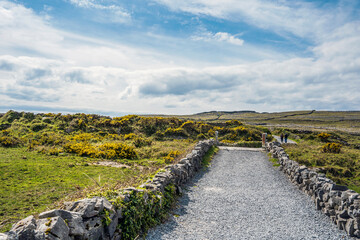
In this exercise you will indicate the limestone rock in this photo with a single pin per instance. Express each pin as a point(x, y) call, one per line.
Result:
point(54, 228)
point(73, 220)
point(8, 236)
point(25, 229)
point(349, 227)
point(88, 207)
point(94, 229)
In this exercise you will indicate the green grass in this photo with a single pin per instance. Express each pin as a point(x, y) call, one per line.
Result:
point(206, 162)
point(275, 162)
point(32, 182)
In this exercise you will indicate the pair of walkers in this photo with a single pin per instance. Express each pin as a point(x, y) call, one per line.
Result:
point(284, 137)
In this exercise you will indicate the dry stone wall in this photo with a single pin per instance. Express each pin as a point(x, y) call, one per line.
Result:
point(96, 218)
point(338, 202)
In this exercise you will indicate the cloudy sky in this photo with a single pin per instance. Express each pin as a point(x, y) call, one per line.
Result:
point(178, 57)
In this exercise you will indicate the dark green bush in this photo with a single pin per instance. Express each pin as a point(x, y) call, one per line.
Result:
point(38, 127)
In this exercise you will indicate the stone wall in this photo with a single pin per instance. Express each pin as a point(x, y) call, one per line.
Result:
point(96, 218)
point(338, 202)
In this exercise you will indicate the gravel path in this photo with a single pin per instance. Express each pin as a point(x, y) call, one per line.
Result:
point(242, 196)
point(279, 140)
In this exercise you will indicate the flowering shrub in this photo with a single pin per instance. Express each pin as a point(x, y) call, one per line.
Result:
point(9, 141)
point(180, 132)
point(188, 125)
point(324, 137)
point(130, 136)
point(106, 150)
point(80, 148)
point(331, 148)
point(116, 150)
point(171, 156)
point(233, 123)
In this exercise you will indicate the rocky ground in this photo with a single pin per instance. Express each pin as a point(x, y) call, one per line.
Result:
point(242, 196)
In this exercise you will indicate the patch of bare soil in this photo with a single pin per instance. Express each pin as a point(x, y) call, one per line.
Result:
point(110, 164)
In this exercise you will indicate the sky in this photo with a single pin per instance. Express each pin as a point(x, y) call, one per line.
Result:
point(117, 57)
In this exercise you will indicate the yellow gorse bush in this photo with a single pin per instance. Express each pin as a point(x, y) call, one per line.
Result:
point(171, 156)
point(324, 137)
point(233, 122)
point(106, 150)
point(8, 141)
point(331, 148)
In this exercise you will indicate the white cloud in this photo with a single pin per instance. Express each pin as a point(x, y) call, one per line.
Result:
point(300, 18)
point(219, 37)
point(113, 13)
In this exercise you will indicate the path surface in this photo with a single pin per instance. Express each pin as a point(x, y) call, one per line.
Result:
point(279, 140)
point(242, 196)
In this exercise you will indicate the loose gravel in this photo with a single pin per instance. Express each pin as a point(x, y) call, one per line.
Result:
point(242, 196)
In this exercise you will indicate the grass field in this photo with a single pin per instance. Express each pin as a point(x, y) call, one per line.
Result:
point(32, 182)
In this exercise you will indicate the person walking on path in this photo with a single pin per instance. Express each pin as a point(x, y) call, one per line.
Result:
point(282, 138)
point(286, 137)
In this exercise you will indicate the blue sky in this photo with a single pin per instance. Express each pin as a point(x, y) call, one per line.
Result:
point(179, 57)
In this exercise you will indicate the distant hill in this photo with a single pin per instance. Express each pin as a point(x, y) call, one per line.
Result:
point(225, 112)
point(344, 120)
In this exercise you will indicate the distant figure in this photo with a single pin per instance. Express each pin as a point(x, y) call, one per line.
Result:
point(286, 137)
point(282, 137)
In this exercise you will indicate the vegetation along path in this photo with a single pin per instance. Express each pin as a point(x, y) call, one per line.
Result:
point(242, 196)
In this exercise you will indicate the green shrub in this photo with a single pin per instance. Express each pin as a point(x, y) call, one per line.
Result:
point(36, 127)
point(11, 115)
point(200, 136)
point(46, 120)
point(159, 136)
point(140, 142)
